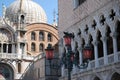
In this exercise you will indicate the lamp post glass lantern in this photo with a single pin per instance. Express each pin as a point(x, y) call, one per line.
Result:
point(67, 40)
point(87, 52)
point(49, 52)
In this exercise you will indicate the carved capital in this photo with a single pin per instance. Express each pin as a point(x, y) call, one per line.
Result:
point(114, 34)
point(95, 43)
point(104, 38)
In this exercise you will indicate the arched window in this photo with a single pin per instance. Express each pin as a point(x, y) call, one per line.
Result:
point(90, 42)
point(109, 41)
point(83, 42)
point(118, 35)
point(19, 67)
point(33, 36)
point(0, 47)
point(49, 37)
point(33, 47)
point(41, 47)
point(22, 19)
point(76, 53)
point(4, 48)
point(9, 48)
point(100, 45)
point(41, 36)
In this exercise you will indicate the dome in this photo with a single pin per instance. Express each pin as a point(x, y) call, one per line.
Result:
point(33, 12)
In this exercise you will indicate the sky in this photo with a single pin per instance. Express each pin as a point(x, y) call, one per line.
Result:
point(49, 6)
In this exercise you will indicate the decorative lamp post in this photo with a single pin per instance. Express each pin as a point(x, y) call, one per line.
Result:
point(87, 53)
point(70, 55)
point(68, 58)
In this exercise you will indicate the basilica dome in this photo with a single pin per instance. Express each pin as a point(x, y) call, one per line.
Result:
point(33, 12)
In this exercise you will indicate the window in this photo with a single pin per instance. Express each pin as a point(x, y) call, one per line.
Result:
point(33, 47)
point(33, 36)
point(22, 19)
point(109, 41)
point(9, 48)
point(100, 45)
point(4, 48)
point(78, 2)
point(118, 35)
point(49, 37)
point(19, 67)
point(41, 36)
point(41, 47)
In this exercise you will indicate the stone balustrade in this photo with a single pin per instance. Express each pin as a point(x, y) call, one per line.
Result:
point(15, 56)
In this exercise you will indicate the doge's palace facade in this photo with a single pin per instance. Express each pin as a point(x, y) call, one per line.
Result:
point(94, 22)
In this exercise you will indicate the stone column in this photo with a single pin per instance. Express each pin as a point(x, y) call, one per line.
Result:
point(13, 48)
point(114, 37)
point(63, 69)
point(19, 50)
point(80, 56)
point(1, 47)
point(96, 53)
point(25, 49)
point(104, 39)
point(7, 48)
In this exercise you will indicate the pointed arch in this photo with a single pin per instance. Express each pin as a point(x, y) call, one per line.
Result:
point(96, 78)
point(109, 41)
point(76, 53)
point(82, 42)
point(90, 42)
point(7, 71)
point(118, 35)
point(100, 44)
point(115, 76)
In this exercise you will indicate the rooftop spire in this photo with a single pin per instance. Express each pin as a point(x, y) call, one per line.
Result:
point(21, 1)
point(54, 19)
point(3, 10)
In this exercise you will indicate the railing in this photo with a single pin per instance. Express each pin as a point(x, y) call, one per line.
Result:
point(28, 67)
point(92, 64)
point(110, 58)
point(118, 56)
point(101, 61)
point(15, 56)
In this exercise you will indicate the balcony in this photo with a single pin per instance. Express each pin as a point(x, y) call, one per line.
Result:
point(16, 56)
point(113, 58)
